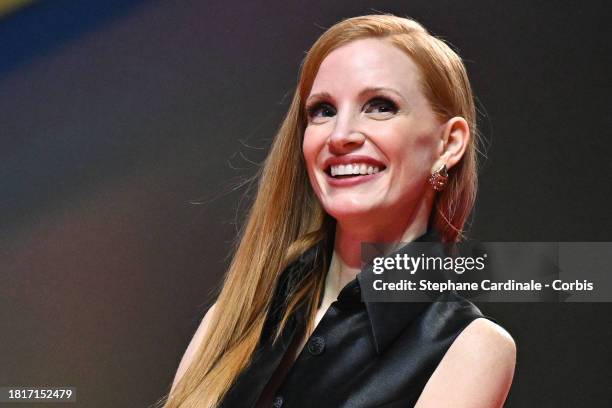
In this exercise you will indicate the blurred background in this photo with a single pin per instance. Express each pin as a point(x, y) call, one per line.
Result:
point(127, 126)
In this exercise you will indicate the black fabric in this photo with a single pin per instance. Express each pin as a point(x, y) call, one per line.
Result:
point(361, 354)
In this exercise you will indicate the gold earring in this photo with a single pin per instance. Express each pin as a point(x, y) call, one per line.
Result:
point(439, 178)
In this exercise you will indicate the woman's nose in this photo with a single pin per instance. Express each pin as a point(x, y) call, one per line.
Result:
point(345, 136)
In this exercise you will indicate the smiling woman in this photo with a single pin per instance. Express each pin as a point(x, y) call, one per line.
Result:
point(367, 109)
point(378, 145)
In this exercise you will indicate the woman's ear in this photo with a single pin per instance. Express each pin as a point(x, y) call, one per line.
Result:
point(456, 137)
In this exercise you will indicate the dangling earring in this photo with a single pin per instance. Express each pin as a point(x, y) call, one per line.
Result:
point(439, 178)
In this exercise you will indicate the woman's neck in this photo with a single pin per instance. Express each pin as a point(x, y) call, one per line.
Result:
point(346, 258)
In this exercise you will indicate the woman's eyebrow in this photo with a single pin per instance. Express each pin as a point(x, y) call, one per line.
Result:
point(319, 95)
point(368, 90)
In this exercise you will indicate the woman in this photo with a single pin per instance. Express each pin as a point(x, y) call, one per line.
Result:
point(378, 145)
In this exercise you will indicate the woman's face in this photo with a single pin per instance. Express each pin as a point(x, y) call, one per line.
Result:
point(372, 139)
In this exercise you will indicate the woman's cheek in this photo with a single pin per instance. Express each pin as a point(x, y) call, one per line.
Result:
point(309, 151)
point(307, 148)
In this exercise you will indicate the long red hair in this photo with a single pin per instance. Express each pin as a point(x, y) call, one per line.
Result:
point(286, 218)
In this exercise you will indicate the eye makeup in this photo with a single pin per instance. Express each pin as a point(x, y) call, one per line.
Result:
point(379, 106)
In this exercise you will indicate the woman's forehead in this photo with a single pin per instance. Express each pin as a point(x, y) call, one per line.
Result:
point(366, 63)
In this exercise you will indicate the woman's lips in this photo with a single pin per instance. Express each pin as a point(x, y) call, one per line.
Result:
point(351, 160)
point(351, 181)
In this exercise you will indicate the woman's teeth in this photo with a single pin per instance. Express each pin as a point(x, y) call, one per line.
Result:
point(350, 169)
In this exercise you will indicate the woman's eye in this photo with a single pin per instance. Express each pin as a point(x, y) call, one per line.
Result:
point(381, 106)
point(320, 110)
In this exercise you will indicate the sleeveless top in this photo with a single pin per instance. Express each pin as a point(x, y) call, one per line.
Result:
point(360, 355)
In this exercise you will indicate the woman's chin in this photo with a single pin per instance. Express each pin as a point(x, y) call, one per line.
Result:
point(352, 212)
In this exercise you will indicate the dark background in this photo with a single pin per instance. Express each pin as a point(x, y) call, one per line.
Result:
point(115, 116)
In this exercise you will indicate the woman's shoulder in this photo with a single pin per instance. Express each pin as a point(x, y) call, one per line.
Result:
point(476, 334)
point(477, 369)
point(484, 342)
